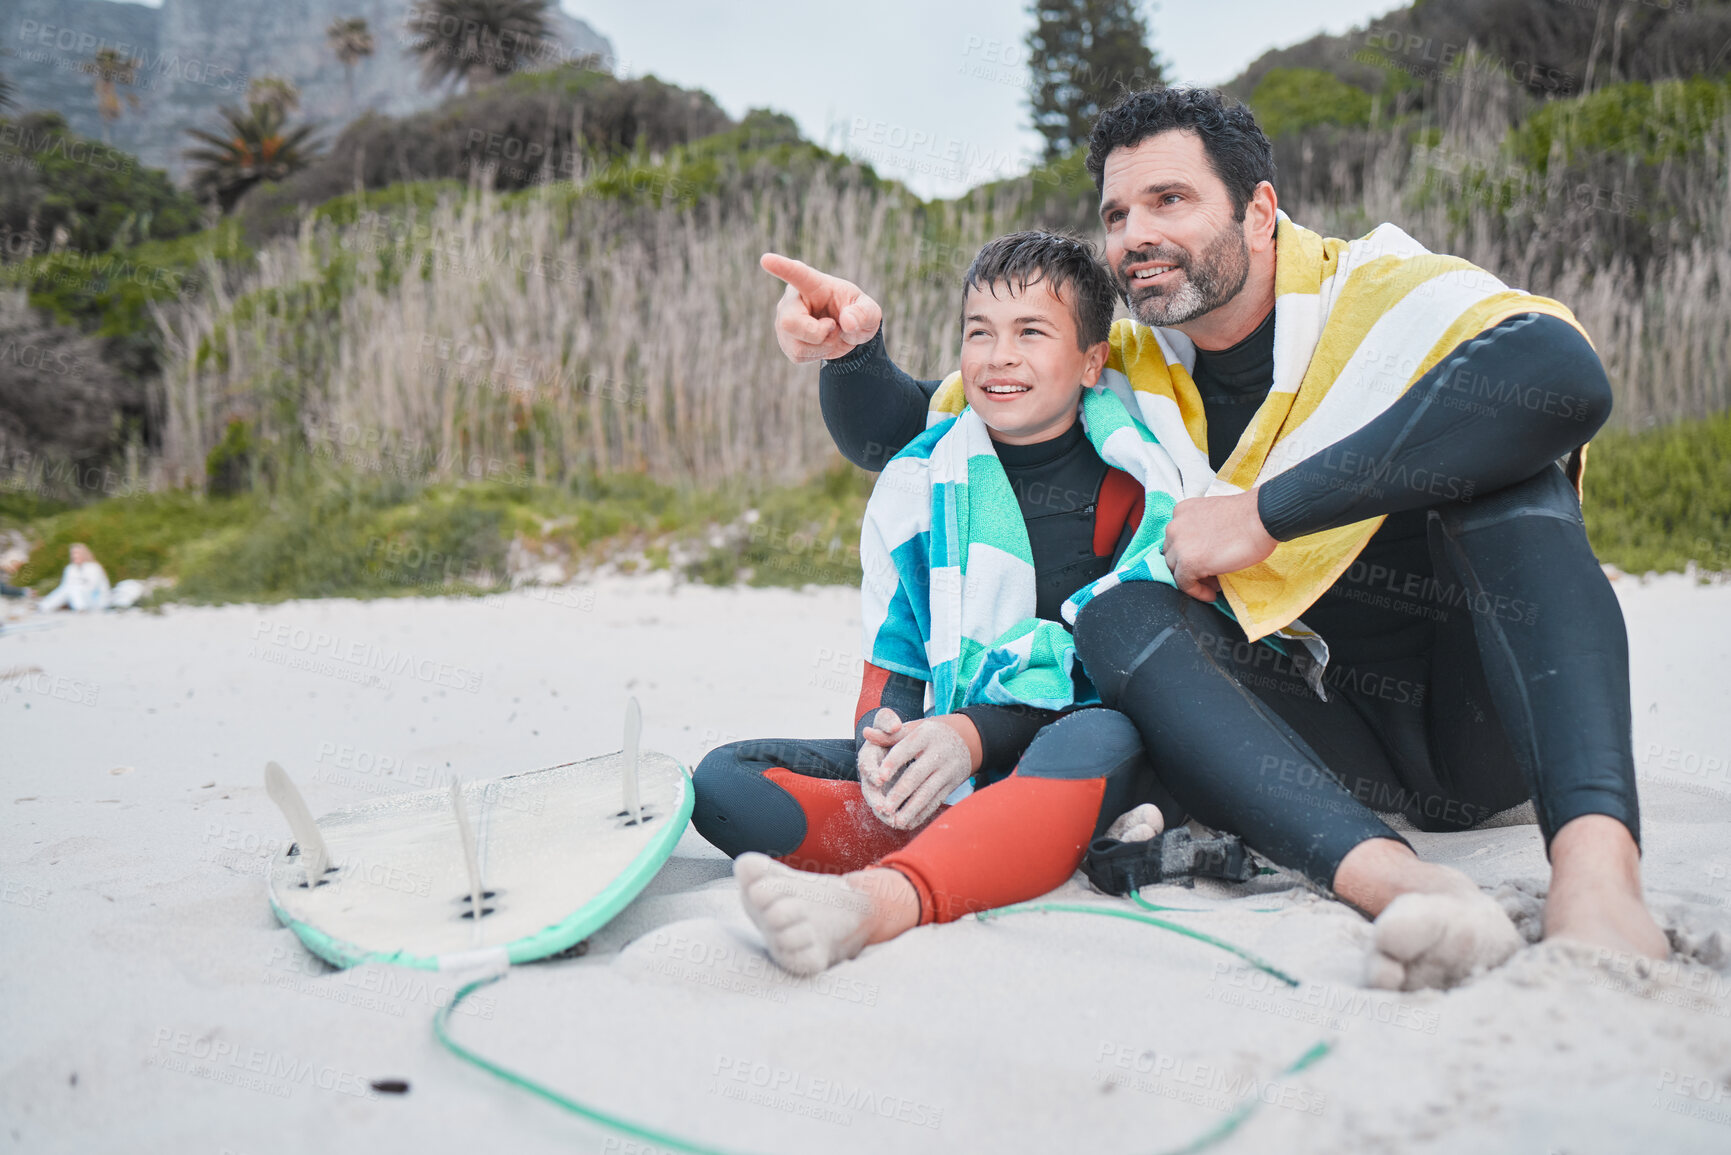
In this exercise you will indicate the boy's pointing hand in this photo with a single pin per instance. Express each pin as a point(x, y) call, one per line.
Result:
point(819, 317)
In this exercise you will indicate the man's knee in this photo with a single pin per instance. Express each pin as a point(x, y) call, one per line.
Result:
point(1546, 494)
point(1117, 631)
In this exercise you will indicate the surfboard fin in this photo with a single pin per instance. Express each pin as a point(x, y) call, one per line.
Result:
point(470, 859)
point(315, 858)
point(628, 760)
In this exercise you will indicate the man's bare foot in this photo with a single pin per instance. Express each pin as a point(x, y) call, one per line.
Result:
point(1595, 895)
point(1434, 927)
point(810, 922)
point(1438, 940)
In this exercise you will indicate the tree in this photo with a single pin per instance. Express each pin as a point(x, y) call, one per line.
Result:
point(475, 42)
point(112, 68)
point(352, 41)
point(256, 147)
point(278, 92)
point(1083, 55)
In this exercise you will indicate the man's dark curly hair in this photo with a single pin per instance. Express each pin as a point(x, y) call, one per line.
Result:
point(1236, 147)
point(1017, 260)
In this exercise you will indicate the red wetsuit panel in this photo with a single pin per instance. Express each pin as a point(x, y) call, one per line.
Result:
point(1009, 842)
point(841, 832)
point(1121, 501)
point(871, 691)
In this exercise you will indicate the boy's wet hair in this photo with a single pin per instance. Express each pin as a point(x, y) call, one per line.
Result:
point(1065, 263)
point(1234, 143)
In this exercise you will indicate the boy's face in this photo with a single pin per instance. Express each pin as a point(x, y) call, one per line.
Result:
point(1021, 369)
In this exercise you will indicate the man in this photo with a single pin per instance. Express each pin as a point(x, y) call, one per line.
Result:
point(1479, 657)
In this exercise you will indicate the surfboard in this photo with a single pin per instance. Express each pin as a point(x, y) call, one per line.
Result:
point(548, 857)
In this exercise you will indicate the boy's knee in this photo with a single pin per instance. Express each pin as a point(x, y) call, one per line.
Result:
point(738, 809)
point(1089, 743)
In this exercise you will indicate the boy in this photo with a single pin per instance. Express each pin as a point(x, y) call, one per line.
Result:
point(1041, 491)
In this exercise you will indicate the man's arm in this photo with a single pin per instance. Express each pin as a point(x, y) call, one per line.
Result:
point(1499, 408)
point(871, 408)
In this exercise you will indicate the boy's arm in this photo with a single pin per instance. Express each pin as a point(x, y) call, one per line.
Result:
point(870, 406)
point(1004, 733)
point(880, 689)
point(996, 736)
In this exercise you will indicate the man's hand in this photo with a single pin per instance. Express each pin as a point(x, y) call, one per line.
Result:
point(819, 317)
point(1209, 536)
point(907, 769)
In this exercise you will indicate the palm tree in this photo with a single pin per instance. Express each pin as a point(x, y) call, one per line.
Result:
point(256, 147)
point(352, 41)
point(111, 68)
point(278, 92)
point(477, 41)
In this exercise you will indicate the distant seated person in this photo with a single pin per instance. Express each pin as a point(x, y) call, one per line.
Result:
point(9, 570)
point(1036, 485)
point(84, 586)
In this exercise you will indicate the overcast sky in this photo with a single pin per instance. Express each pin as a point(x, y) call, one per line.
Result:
point(930, 92)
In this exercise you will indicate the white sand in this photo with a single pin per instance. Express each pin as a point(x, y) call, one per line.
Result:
point(149, 1002)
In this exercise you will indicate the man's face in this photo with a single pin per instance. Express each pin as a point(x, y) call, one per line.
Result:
point(1171, 240)
point(1021, 369)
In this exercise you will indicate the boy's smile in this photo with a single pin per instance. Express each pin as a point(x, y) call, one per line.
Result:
point(1022, 370)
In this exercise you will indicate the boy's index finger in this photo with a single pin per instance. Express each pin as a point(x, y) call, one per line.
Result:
point(806, 280)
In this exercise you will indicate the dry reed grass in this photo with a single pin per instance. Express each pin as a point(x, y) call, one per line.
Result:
point(575, 334)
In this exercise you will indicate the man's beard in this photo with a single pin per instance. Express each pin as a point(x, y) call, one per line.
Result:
point(1209, 280)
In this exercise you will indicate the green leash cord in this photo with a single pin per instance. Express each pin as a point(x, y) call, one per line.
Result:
point(1199, 936)
point(1247, 1108)
point(441, 1028)
point(1244, 1110)
point(1136, 897)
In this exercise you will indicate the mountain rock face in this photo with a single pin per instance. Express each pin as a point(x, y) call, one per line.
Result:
point(194, 56)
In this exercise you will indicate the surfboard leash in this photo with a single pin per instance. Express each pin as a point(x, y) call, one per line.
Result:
point(1216, 1134)
point(1107, 912)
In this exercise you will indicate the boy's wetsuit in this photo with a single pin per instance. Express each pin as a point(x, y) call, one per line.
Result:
point(1479, 656)
point(1050, 781)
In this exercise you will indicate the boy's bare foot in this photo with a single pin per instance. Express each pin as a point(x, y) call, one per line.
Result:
point(1595, 895)
point(810, 922)
point(1434, 927)
point(1138, 824)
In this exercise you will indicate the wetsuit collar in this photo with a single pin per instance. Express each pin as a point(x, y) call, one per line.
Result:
point(1040, 452)
point(1244, 366)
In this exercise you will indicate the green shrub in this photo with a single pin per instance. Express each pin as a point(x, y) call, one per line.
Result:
point(1648, 123)
point(802, 535)
point(109, 294)
point(1290, 100)
point(133, 537)
point(1659, 499)
point(228, 467)
point(102, 198)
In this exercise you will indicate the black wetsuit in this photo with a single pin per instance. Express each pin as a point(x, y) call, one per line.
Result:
point(1479, 656)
